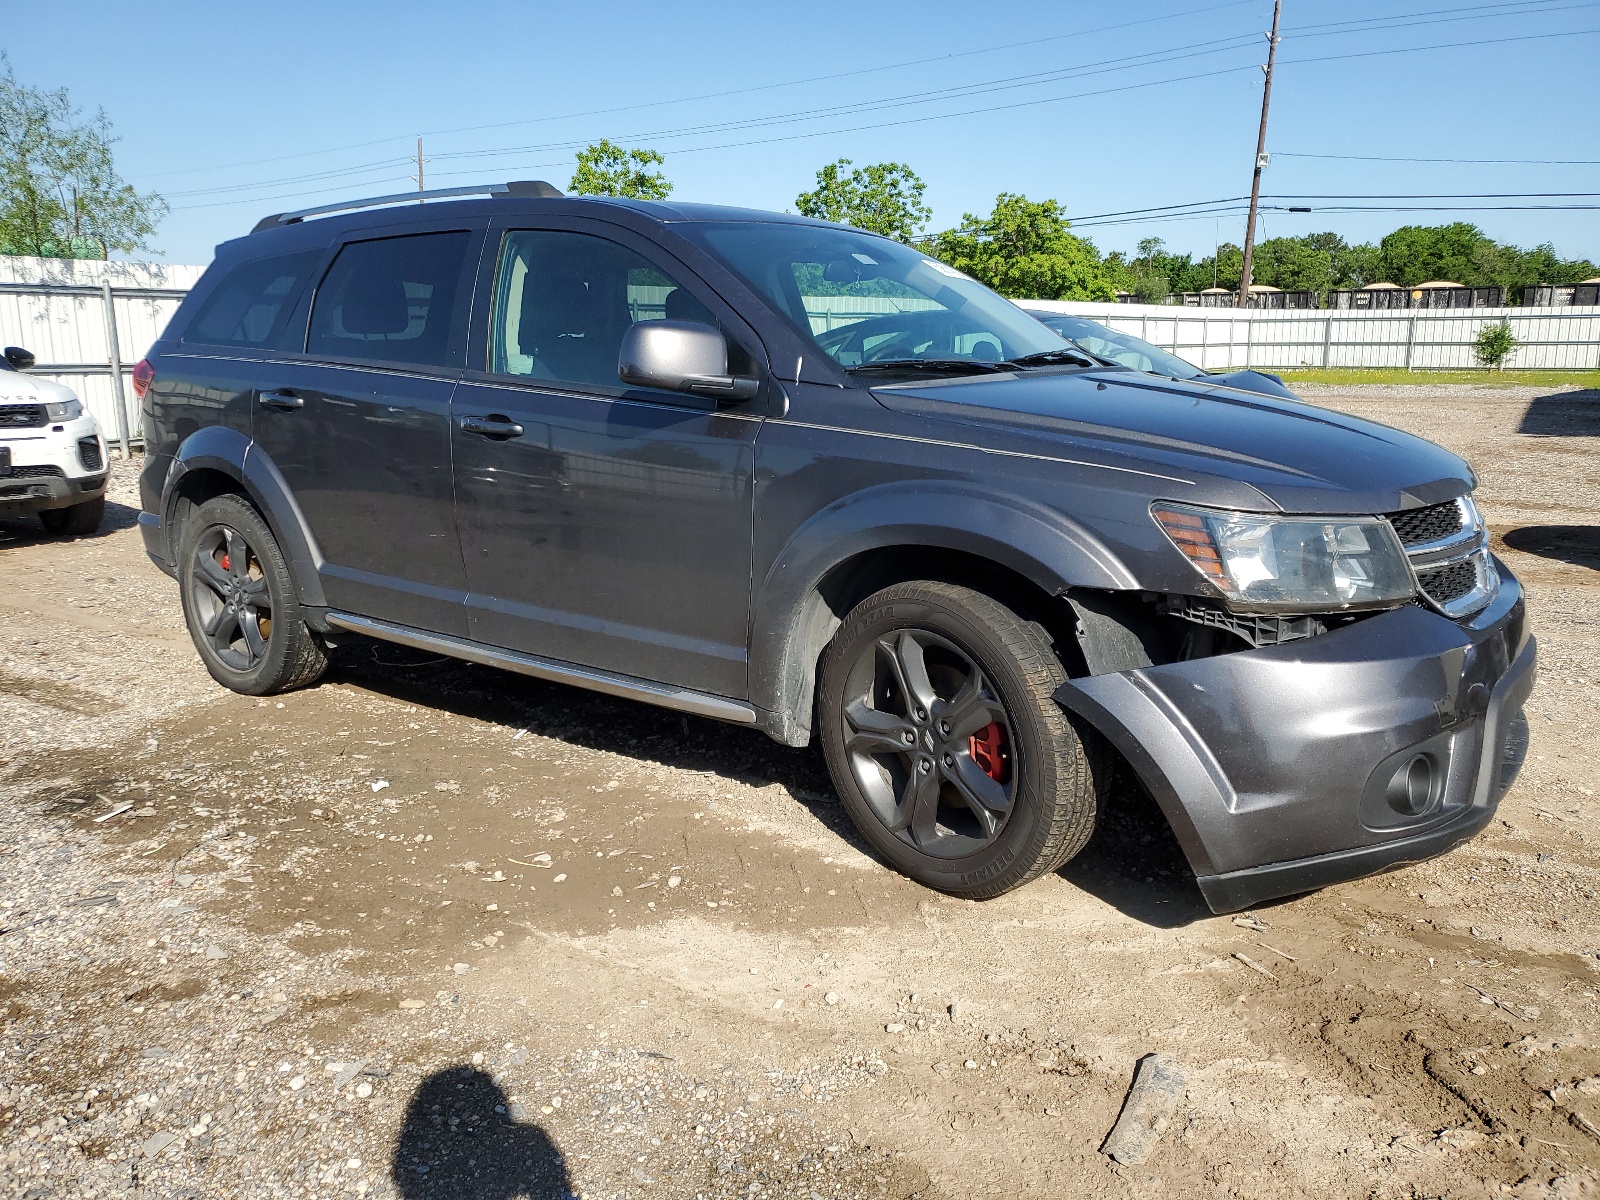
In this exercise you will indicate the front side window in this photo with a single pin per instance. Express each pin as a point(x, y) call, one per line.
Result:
point(865, 299)
point(391, 299)
point(251, 304)
point(564, 300)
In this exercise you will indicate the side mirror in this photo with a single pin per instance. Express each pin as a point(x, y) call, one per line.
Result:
point(681, 356)
point(19, 359)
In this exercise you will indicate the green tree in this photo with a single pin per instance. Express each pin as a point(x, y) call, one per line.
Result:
point(606, 169)
point(60, 196)
point(882, 198)
point(1494, 344)
point(1358, 265)
point(1416, 253)
point(1025, 249)
point(1226, 267)
point(1293, 264)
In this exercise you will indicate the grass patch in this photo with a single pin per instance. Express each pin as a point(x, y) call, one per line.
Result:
point(1483, 378)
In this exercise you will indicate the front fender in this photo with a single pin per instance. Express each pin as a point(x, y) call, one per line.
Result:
point(793, 620)
point(218, 448)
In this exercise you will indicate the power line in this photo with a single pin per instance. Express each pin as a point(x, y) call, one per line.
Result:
point(1099, 66)
point(1075, 34)
point(959, 92)
point(1210, 214)
point(1519, 162)
point(691, 131)
point(898, 102)
point(1441, 16)
point(1521, 7)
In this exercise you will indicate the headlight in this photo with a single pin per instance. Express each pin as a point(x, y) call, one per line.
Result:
point(64, 410)
point(1303, 564)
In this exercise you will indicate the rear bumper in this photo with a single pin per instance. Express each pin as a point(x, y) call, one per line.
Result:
point(1274, 766)
point(152, 527)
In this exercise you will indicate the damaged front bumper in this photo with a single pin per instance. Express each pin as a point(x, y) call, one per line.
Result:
point(1289, 768)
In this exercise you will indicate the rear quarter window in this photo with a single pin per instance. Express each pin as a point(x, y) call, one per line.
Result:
point(391, 300)
point(252, 303)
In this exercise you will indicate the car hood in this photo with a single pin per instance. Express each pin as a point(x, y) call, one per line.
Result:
point(1299, 458)
point(17, 387)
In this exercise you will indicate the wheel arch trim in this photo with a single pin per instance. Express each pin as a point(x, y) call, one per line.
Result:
point(235, 455)
point(791, 617)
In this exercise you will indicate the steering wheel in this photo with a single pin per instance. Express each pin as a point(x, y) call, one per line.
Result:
point(897, 347)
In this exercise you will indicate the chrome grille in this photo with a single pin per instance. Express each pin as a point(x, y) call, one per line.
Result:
point(1448, 548)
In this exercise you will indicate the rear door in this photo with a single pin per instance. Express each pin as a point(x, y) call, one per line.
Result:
point(359, 424)
point(602, 525)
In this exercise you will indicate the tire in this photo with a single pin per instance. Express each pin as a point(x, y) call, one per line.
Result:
point(973, 811)
point(79, 520)
point(240, 602)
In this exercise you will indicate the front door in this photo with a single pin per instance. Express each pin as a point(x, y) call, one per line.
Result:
point(360, 426)
point(601, 525)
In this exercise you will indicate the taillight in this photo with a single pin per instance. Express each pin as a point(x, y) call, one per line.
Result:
point(143, 375)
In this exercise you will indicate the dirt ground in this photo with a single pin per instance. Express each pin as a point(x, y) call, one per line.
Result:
point(429, 930)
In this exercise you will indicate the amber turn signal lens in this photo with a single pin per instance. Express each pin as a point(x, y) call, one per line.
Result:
point(1189, 533)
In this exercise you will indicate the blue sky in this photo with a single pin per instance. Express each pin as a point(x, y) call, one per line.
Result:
point(1104, 106)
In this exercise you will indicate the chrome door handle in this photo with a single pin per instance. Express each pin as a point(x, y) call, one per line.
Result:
point(492, 426)
point(282, 400)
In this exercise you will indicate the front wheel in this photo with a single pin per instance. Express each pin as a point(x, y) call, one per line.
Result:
point(945, 745)
point(77, 520)
point(239, 602)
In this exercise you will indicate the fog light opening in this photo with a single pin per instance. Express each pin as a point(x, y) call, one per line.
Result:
point(1414, 786)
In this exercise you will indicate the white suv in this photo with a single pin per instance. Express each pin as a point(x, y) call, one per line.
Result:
point(52, 456)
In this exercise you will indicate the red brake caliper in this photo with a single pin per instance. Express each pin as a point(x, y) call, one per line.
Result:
point(990, 752)
point(226, 566)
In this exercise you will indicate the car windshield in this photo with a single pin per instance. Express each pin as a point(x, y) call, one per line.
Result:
point(1121, 348)
point(867, 300)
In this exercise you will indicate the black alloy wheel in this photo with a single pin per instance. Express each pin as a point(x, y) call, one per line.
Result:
point(929, 743)
point(240, 601)
point(230, 596)
point(936, 714)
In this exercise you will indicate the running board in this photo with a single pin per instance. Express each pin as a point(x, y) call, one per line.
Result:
point(625, 686)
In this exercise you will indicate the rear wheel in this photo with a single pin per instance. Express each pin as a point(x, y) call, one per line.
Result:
point(945, 745)
point(79, 520)
point(239, 602)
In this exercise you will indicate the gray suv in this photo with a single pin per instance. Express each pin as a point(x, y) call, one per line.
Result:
point(625, 445)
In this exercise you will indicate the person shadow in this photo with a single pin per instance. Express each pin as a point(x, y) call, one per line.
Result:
point(460, 1142)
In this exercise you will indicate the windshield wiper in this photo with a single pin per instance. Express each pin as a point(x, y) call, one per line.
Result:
point(1047, 357)
point(960, 365)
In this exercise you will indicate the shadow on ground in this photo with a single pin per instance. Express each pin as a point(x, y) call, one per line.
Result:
point(1578, 545)
point(460, 1142)
point(23, 529)
point(1133, 861)
point(1563, 414)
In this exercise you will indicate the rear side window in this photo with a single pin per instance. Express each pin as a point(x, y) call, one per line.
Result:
point(252, 303)
point(392, 299)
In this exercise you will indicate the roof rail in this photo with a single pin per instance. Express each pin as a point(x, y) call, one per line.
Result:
point(536, 188)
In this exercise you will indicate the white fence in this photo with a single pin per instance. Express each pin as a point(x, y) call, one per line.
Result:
point(59, 308)
point(1416, 339)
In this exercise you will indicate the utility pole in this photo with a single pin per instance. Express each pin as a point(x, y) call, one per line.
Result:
point(419, 159)
point(1261, 158)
